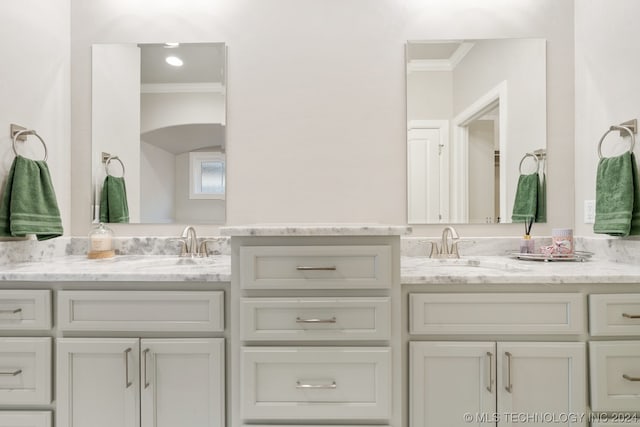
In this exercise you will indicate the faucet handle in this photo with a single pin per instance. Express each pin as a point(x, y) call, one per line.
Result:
point(183, 246)
point(203, 247)
point(435, 251)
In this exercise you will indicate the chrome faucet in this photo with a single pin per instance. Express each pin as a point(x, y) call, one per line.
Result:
point(446, 250)
point(190, 240)
point(189, 243)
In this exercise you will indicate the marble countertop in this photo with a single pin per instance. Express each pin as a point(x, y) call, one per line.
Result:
point(316, 230)
point(414, 270)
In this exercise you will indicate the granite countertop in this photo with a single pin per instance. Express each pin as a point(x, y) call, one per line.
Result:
point(414, 270)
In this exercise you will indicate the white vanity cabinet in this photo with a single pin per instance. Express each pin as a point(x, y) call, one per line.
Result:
point(615, 363)
point(316, 335)
point(134, 382)
point(140, 379)
point(468, 382)
point(25, 361)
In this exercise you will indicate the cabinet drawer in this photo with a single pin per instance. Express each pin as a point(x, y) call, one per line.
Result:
point(315, 383)
point(168, 311)
point(495, 313)
point(25, 371)
point(615, 375)
point(315, 318)
point(315, 267)
point(25, 310)
point(614, 314)
point(25, 418)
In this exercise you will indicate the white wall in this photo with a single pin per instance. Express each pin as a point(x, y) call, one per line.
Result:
point(169, 109)
point(157, 184)
point(482, 171)
point(429, 85)
point(316, 97)
point(607, 87)
point(34, 83)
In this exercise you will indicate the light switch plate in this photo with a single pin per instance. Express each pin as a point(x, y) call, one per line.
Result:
point(589, 211)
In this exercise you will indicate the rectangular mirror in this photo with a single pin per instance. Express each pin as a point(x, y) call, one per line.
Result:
point(476, 121)
point(159, 122)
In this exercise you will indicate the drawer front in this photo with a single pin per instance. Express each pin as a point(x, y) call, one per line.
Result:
point(615, 375)
point(315, 319)
point(496, 313)
point(315, 267)
point(25, 371)
point(25, 418)
point(315, 383)
point(25, 310)
point(159, 311)
point(614, 314)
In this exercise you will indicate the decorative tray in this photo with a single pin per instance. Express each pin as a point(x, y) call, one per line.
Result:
point(576, 256)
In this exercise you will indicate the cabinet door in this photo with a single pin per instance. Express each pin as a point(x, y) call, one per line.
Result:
point(449, 380)
point(541, 383)
point(98, 382)
point(182, 382)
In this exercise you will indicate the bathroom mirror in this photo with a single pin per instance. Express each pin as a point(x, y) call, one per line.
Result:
point(475, 109)
point(159, 117)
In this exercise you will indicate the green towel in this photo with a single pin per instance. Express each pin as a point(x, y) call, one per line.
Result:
point(635, 215)
point(525, 205)
point(541, 211)
point(113, 200)
point(615, 191)
point(29, 205)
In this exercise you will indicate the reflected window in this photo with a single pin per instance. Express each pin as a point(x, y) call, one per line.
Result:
point(207, 175)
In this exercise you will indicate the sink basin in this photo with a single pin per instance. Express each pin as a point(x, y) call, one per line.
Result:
point(475, 264)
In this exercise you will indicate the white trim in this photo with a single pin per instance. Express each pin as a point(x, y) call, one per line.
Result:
point(460, 145)
point(441, 64)
point(214, 87)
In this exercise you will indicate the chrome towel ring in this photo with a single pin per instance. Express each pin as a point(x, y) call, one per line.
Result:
point(106, 164)
point(26, 132)
point(617, 128)
point(534, 158)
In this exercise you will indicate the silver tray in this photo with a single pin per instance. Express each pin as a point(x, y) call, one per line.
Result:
point(579, 256)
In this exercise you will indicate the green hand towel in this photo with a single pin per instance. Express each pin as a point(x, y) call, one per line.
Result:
point(541, 211)
point(113, 200)
point(29, 205)
point(635, 215)
point(525, 204)
point(615, 192)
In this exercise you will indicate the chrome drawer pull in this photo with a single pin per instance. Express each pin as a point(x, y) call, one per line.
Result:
point(12, 373)
point(631, 316)
point(316, 386)
point(126, 368)
point(509, 386)
point(303, 268)
point(144, 359)
point(490, 386)
point(15, 311)
point(630, 378)
point(300, 320)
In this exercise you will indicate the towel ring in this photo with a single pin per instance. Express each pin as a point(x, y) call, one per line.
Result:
point(529, 155)
point(618, 128)
point(29, 132)
point(106, 164)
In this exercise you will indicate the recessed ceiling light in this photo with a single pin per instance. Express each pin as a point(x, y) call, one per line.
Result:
point(174, 60)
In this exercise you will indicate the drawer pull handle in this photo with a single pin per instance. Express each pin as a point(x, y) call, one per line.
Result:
point(316, 386)
point(509, 386)
point(303, 268)
point(144, 358)
point(630, 378)
point(14, 311)
point(126, 368)
point(490, 386)
point(631, 316)
point(300, 320)
point(12, 373)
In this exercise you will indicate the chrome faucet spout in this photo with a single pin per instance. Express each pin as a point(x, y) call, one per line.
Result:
point(448, 246)
point(191, 240)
